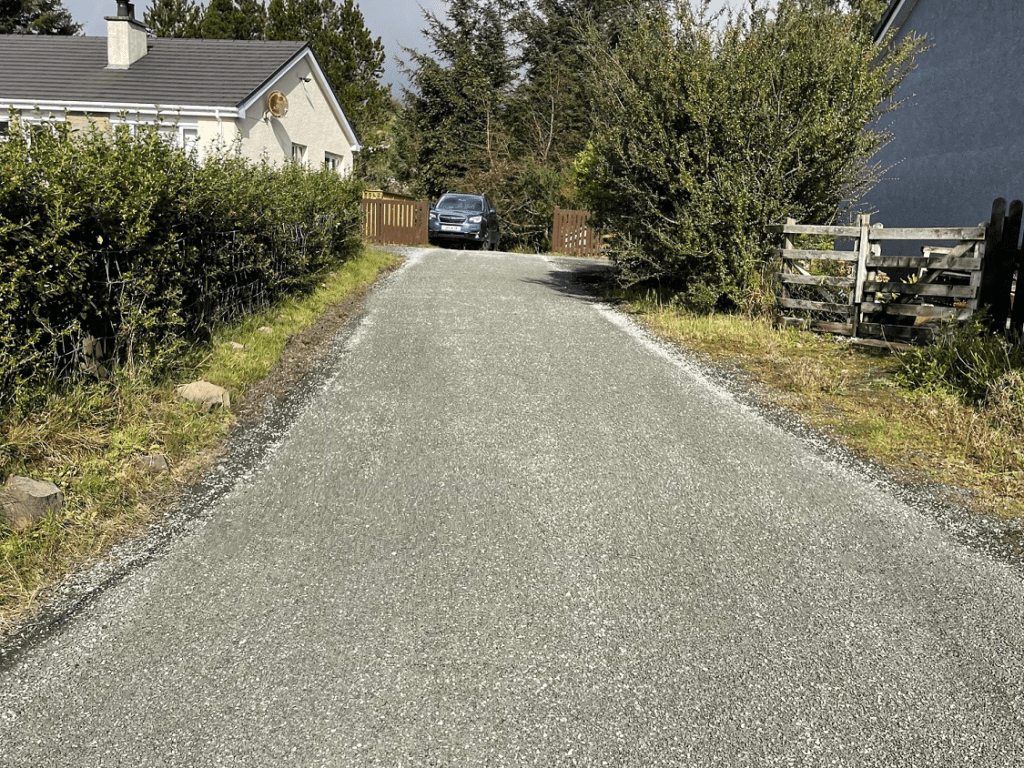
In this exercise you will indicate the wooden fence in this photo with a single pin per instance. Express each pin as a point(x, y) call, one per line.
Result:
point(395, 222)
point(572, 235)
point(868, 295)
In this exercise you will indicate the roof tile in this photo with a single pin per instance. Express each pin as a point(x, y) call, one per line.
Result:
point(175, 71)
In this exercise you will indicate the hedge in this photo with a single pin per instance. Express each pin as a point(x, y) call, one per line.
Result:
point(123, 238)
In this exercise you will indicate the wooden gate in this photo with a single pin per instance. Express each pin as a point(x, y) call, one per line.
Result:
point(572, 235)
point(868, 295)
point(395, 222)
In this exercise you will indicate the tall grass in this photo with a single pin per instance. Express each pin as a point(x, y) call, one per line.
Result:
point(87, 437)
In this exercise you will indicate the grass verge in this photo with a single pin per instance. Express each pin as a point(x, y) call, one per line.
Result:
point(87, 440)
point(850, 392)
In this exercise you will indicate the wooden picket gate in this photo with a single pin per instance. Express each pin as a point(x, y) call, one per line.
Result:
point(870, 296)
point(395, 222)
point(572, 234)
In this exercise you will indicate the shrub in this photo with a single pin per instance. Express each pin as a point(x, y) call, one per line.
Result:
point(704, 136)
point(1005, 400)
point(126, 239)
point(965, 358)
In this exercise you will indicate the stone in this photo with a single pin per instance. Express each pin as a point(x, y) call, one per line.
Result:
point(265, 329)
point(153, 463)
point(235, 346)
point(209, 395)
point(26, 501)
point(93, 350)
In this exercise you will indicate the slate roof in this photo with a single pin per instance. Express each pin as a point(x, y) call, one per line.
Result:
point(175, 71)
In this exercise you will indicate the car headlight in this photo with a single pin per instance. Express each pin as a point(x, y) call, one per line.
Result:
point(433, 216)
point(475, 219)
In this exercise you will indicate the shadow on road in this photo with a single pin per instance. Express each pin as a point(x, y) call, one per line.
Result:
point(578, 279)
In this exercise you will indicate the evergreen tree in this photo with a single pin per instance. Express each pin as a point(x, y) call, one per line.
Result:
point(460, 95)
point(36, 17)
point(173, 18)
point(233, 20)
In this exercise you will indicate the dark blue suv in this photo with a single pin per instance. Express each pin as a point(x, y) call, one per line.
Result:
point(456, 217)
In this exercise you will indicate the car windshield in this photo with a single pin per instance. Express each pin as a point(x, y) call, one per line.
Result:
point(460, 203)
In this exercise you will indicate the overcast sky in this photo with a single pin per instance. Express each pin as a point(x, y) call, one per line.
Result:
point(397, 23)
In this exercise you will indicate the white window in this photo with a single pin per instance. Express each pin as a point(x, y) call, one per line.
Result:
point(299, 153)
point(332, 162)
point(179, 135)
point(36, 124)
point(189, 139)
point(5, 130)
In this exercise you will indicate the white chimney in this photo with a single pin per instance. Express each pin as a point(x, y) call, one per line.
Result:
point(126, 37)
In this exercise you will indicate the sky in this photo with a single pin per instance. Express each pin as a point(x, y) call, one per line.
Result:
point(397, 23)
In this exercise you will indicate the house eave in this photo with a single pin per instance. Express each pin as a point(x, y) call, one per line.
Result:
point(117, 107)
point(893, 18)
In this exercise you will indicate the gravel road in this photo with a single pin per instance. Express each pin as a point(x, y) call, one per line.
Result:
point(508, 529)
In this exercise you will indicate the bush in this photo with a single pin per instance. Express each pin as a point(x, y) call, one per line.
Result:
point(1005, 400)
point(966, 359)
point(126, 239)
point(705, 136)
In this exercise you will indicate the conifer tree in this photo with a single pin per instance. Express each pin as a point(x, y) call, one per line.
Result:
point(173, 18)
point(36, 17)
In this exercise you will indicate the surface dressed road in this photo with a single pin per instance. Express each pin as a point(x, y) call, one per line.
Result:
point(510, 530)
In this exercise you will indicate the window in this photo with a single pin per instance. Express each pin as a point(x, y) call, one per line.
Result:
point(174, 133)
point(299, 153)
point(36, 125)
point(189, 139)
point(5, 130)
point(332, 162)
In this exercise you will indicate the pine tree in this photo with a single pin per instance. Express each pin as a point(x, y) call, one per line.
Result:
point(233, 20)
point(173, 18)
point(460, 95)
point(36, 17)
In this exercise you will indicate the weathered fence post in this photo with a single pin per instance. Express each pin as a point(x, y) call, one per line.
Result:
point(787, 245)
point(991, 261)
point(1004, 266)
point(861, 275)
point(1017, 313)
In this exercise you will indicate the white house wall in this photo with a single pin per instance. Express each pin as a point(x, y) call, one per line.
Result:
point(217, 135)
point(310, 122)
point(957, 141)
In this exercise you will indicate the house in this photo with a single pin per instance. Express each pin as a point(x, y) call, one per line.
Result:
point(260, 98)
point(957, 143)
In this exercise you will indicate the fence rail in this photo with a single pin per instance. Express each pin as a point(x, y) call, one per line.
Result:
point(867, 295)
point(572, 234)
point(395, 222)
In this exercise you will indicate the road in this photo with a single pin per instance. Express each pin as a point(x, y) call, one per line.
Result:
point(508, 529)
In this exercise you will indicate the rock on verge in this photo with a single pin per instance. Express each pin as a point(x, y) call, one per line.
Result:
point(26, 501)
point(209, 395)
point(153, 463)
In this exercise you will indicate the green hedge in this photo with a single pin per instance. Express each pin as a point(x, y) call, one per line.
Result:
point(124, 238)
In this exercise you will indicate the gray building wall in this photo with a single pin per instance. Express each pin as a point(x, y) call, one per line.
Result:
point(959, 138)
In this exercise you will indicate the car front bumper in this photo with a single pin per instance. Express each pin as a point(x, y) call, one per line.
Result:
point(472, 232)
